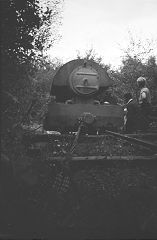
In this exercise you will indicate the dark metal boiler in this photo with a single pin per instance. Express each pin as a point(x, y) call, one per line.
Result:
point(74, 92)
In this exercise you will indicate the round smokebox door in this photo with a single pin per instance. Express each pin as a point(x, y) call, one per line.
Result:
point(84, 80)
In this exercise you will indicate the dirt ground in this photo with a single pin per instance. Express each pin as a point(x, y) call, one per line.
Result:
point(86, 202)
point(41, 199)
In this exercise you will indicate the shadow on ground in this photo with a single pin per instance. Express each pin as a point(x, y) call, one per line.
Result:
point(91, 203)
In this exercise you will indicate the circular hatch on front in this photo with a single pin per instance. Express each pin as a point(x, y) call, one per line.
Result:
point(84, 80)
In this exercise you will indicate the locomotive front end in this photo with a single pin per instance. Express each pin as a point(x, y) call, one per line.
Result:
point(76, 86)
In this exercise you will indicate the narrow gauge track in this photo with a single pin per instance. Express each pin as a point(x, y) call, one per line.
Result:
point(126, 172)
point(110, 146)
point(122, 188)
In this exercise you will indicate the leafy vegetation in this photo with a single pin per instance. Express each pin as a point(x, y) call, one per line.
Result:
point(26, 32)
point(139, 60)
point(41, 195)
point(26, 73)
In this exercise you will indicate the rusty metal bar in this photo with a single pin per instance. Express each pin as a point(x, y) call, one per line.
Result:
point(76, 139)
point(104, 158)
point(148, 134)
point(47, 137)
point(143, 143)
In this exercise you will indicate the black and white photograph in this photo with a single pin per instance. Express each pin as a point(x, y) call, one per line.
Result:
point(78, 119)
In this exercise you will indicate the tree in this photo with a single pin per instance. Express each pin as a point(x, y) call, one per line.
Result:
point(91, 54)
point(21, 51)
point(138, 60)
point(151, 74)
point(141, 48)
point(25, 27)
point(21, 47)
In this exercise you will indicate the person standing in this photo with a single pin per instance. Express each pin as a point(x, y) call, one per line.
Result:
point(132, 114)
point(144, 101)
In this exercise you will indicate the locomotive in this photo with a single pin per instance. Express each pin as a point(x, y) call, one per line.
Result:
point(74, 99)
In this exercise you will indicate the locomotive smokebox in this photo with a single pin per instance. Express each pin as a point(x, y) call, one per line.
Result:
point(76, 87)
point(79, 78)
